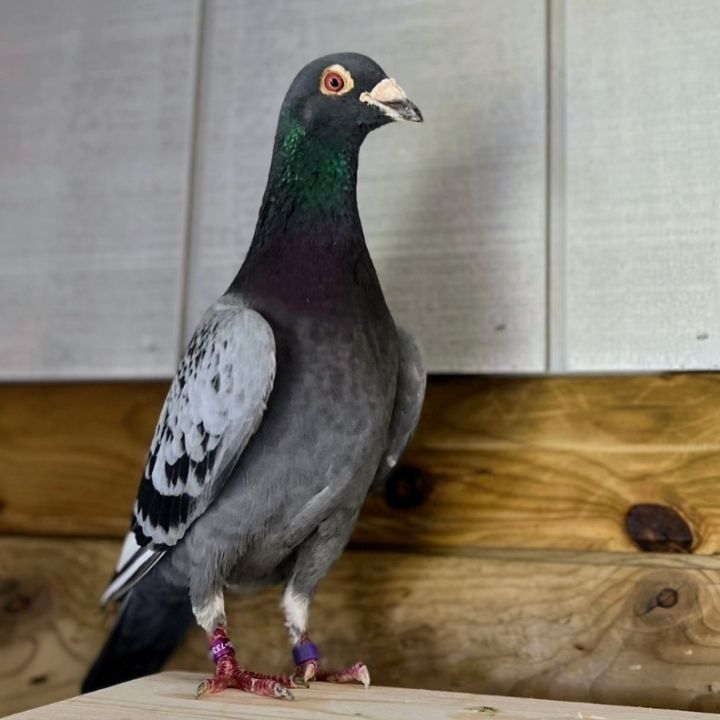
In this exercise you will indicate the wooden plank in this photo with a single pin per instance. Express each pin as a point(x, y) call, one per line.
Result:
point(630, 629)
point(642, 149)
point(72, 455)
point(554, 463)
point(454, 211)
point(558, 463)
point(97, 101)
point(168, 692)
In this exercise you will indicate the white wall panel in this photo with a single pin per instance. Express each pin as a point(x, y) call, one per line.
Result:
point(453, 210)
point(96, 100)
point(642, 185)
point(96, 115)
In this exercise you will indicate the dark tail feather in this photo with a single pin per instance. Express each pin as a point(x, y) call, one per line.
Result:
point(152, 621)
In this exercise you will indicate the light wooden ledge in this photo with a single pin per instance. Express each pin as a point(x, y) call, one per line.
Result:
point(171, 695)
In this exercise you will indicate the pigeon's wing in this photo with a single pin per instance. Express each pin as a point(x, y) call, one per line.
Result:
point(408, 403)
point(213, 407)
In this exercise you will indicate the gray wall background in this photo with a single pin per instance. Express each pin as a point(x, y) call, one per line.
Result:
point(559, 211)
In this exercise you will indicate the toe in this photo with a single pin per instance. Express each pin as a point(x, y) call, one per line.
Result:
point(214, 685)
point(202, 688)
point(282, 693)
point(264, 685)
point(277, 686)
point(357, 673)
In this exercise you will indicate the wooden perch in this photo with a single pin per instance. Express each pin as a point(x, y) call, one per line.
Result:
point(172, 695)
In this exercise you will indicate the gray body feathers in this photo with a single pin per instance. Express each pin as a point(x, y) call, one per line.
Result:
point(294, 456)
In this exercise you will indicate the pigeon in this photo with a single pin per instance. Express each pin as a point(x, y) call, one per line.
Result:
point(295, 398)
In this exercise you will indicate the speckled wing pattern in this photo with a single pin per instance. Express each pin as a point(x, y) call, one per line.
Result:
point(213, 407)
point(409, 397)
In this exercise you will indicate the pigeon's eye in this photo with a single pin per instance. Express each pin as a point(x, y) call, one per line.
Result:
point(335, 80)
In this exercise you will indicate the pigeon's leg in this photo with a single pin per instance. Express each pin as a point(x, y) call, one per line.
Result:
point(305, 653)
point(228, 674)
point(313, 561)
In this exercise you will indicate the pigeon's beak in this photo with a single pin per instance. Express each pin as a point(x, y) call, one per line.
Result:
point(391, 99)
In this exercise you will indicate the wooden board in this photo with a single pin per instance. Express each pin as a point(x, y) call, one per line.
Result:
point(559, 463)
point(642, 148)
point(524, 463)
point(168, 693)
point(453, 210)
point(95, 142)
point(609, 628)
point(72, 455)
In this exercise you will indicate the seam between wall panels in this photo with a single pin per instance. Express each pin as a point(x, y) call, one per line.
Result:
point(556, 267)
point(192, 174)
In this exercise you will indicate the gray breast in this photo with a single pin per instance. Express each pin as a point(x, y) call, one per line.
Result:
point(318, 447)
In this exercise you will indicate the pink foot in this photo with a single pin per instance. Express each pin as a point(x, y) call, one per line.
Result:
point(247, 681)
point(307, 668)
point(229, 675)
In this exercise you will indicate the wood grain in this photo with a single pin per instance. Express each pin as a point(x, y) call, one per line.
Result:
point(168, 693)
point(453, 210)
point(524, 463)
point(622, 629)
point(97, 101)
point(519, 463)
point(642, 148)
point(559, 462)
point(72, 455)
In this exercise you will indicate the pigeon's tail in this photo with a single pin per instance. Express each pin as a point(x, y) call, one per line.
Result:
point(152, 621)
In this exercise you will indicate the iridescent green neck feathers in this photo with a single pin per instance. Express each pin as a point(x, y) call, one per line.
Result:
point(312, 177)
point(318, 175)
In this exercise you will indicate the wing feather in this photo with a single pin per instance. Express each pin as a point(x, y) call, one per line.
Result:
point(214, 405)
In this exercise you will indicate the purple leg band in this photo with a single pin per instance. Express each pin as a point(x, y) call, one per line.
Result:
point(304, 652)
point(221, 648)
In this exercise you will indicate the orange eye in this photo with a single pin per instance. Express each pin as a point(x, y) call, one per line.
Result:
point(334, 82)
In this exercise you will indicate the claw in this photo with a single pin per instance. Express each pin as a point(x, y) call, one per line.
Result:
point(310, 672)
point(304, 674)
point(300, 682)
point(363, 675)
point(282, 693)
point(202, 688)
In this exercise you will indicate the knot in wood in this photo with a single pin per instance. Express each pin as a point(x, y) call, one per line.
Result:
point(407, 488)
point(658, 528)
point(17, 603)
point(667, 598)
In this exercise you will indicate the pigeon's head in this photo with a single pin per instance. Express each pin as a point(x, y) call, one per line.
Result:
point(346, 94)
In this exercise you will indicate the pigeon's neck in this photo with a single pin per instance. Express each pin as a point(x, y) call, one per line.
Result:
point(311, 190)
point(308, 244)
